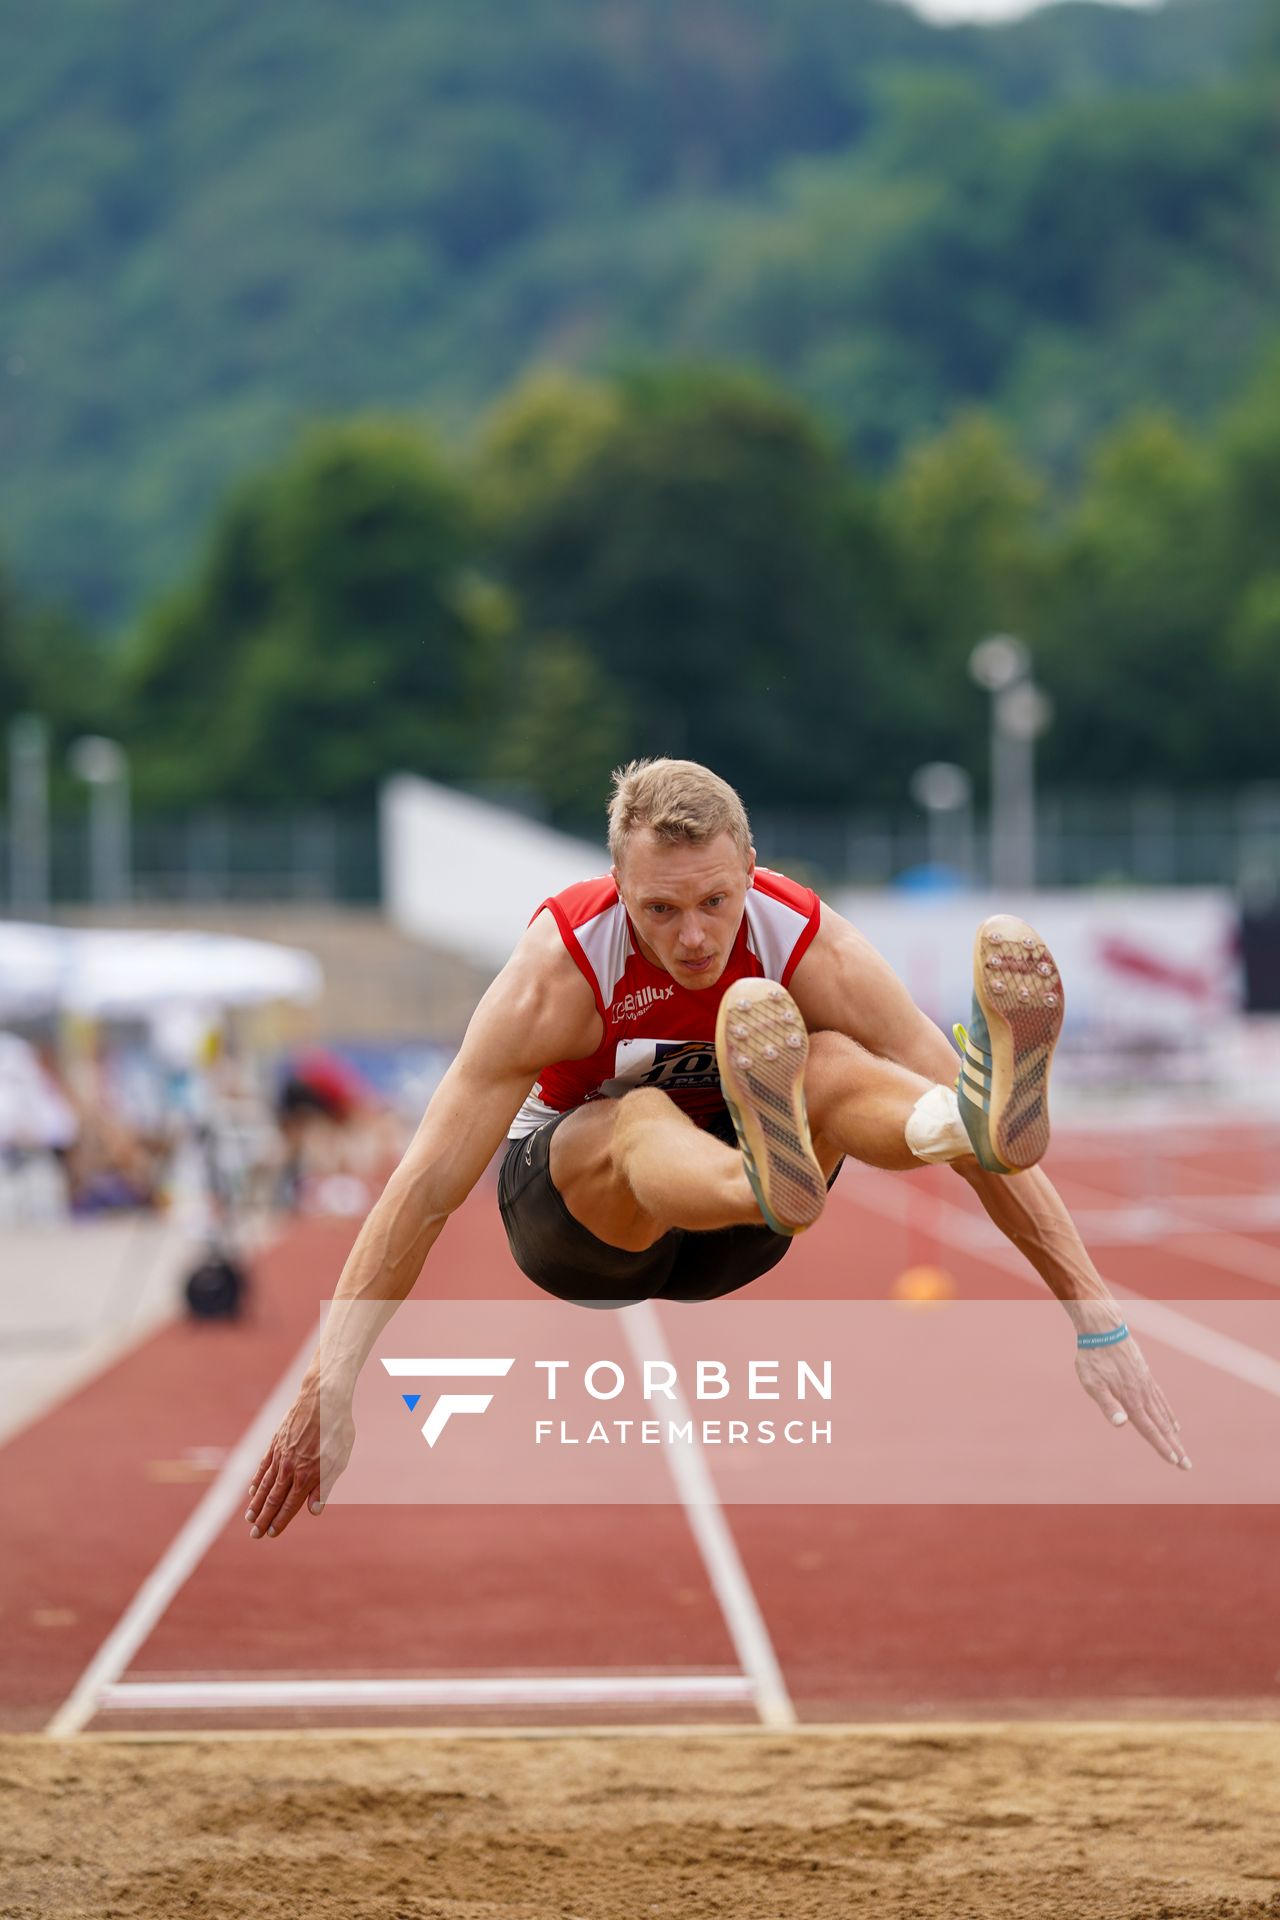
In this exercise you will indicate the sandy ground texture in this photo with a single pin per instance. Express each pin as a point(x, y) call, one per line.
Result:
point(1120, 1821)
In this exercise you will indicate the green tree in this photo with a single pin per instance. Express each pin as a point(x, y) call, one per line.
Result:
point(52, 666)
point(535, 441)
point(559, 732)
point(220, 219)
point(716, 562)
point(336, 632)
point(1136, 653)
point(965, 513)
point(1249, 450)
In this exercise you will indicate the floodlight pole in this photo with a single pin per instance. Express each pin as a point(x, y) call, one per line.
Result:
point(1020, 711)
point(103, 765)
point(944, 791)
point(28, 816)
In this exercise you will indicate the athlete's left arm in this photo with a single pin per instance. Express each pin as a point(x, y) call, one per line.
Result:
point(843, 985)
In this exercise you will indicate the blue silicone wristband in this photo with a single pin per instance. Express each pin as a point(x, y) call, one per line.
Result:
point(1110, 1339)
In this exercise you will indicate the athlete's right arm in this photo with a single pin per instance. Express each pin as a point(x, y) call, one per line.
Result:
point(539, 1009)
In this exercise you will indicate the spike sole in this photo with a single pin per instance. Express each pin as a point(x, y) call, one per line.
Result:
point(1019, 989)
point(761, 1050)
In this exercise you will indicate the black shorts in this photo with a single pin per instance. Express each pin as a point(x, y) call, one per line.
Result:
point(563, 1257)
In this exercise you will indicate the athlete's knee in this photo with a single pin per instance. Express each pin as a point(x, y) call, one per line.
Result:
point(826, 1047)
point(653, 1099)
point(646, 1106)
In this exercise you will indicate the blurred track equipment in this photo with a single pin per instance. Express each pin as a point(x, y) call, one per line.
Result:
point(761, 1050)
point(924, 1284)
point(215, 1290)
point(1003, 1087)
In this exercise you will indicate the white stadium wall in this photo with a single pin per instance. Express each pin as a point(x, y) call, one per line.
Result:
point(1160, 962)
point(465, 875)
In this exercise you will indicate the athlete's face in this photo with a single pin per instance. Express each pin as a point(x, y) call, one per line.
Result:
point(685, 902)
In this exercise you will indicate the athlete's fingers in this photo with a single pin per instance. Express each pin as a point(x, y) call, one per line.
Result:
point(274, 1498)
point(1161, 1413)
point(289, 1508)
point(1168, 1426)
point(261, 1481)
point(1099, 1392)
point(1151, 1396)
point(1127, 1392)
point(1162, 1401)
point(258, 1501)
point(1125, 1388)
point(266, 1467)
point(1152, 1434)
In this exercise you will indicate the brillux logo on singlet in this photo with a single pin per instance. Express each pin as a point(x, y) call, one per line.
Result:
point(633, 1005)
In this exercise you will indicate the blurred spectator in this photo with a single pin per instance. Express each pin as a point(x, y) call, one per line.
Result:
point(38, 1129)
point(120, 1152)
point(112, 1164)
point(325, 1110)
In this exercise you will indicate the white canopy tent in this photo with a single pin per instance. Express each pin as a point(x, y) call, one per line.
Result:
point(137, 975)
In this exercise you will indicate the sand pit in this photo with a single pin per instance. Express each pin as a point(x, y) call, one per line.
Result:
point(1130, 1822)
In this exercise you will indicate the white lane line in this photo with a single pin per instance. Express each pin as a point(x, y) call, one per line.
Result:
point(725, 1571)
point(1232, 1254)
point(1164, 1116)
point(1113, 1222)
point(227, 1495)
point(498, 1690)
point(1164, 1323)
point(1220, 1350)
point(1233, 1213)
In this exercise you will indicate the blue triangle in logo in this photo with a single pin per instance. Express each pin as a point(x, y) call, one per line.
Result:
point(411, 1400)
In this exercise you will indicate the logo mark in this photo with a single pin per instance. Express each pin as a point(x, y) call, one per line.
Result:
point(632, 1005)
point(448, 1403)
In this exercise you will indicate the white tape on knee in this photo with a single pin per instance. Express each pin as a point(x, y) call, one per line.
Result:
point(935, 1130)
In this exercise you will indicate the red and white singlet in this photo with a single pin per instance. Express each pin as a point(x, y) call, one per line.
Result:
point(656, 1032)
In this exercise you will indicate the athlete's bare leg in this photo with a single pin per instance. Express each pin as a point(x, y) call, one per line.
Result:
point(859, 1104)
point(629, 1170)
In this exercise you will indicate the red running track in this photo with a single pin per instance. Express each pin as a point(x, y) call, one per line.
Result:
point(874, 1612)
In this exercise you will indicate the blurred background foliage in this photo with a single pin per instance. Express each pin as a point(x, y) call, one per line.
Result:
point(694, 375)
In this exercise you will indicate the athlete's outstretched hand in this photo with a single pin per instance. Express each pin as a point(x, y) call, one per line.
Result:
point(300, 1466)
point(1123, 1385)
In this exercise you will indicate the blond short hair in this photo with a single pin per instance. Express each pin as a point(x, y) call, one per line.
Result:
point(679, 801)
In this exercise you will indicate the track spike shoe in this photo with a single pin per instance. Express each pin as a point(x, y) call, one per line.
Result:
point(1003, 1088)
point(761, 1050)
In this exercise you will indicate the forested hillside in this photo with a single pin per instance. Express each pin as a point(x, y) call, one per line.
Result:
point(219, 220)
